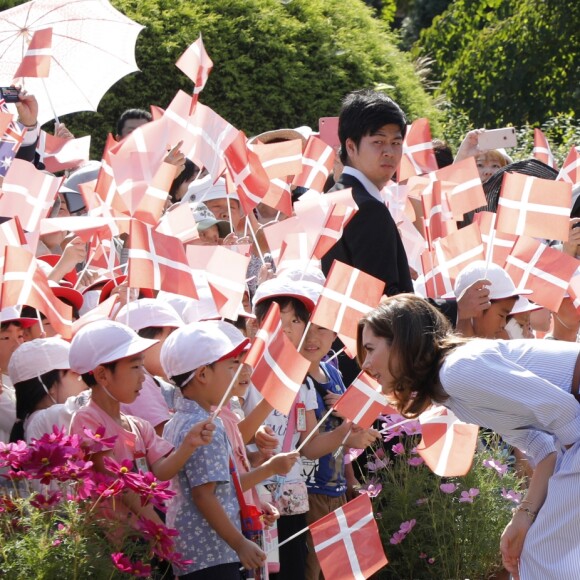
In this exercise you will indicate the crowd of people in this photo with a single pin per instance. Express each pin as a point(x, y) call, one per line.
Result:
point(152, 372)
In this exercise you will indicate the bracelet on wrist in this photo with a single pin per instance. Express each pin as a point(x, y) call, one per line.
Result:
point(28, 126)
point(531, 514)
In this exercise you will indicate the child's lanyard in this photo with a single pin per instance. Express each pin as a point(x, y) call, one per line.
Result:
point(139, 458)
point(276, 488)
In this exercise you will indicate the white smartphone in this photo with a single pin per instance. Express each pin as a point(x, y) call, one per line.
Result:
point(497, 139)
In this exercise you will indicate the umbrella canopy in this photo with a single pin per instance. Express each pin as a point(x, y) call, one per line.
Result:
point(93, 46)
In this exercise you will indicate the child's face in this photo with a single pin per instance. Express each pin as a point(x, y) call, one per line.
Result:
point(125, 381)
point(292, 326)
point(491, 323)
point(241, 387)
point(209, 237)
point(317, 343)
point(219, 376)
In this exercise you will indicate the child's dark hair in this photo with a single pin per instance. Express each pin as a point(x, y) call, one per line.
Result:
point(29, 393)
point(190, 170)
point(181, 381)
point(89, 378)
point(261, 309)
point(150, 332)
point(364, 113)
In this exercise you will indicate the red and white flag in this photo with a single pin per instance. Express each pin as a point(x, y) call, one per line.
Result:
point(205, 134)
point(296, 253)
point(279, 195)
point(570, 171)
point(179, 223)
point(418, 155)
point(574, 291)
point(336, 220)
point(542, 269)
point(362, 402)
point(36, 61)
point(317, 163)
point(106, 186)
point(158, 262)
point(347, 541)
point(226, 273)
point(348, 294)
point(28, 193)
point(438, 220)
point(529, 206)
point(149, 199)
point(501, 243)
point(280, 159)
point(542, 151)
point(249, 179)
point(278, 368)
point(447, 445)
point(11, 234)
point(59, 154)
point(196, 64)
point(5, 120)
point(25, 283)
point(277, 232)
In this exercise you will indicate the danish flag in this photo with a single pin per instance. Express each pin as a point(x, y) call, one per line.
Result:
point(529, 206)
point(249, 178)
point(196, 64)
point(317, 163)
point(106, 186)
point(36, 61)
point(278, 368)
point(348, 294)
point(542, 151)
point(501, 243)
point(158, 262)
point(337, 219)
point(542, 269)
point(59, 154)
point(280, 159)
point(418, 155)
point(179, 223)
point(277, 232)
point(296, 253)
point(5, 120)
point(362, 402)
point(570, 171)
point(447, 445)
point(347, 541)
point(24, 283)
point(28, 193)
point(438, 219)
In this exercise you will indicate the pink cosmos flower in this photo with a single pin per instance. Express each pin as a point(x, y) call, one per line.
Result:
point(431, 561)
point(415, 461)
point(150, 489)
point(372, 488)
point(95, 442)
point(412, 428)
point(511, 495)
point(124, 564)
point(398, 449)
point(351, 455)
point(448, 487)
point(397, 538)
point(159, 536)
point(406, 527)
point(493, 464)
point(40, 501)
point(467, 496)
point(377, 464)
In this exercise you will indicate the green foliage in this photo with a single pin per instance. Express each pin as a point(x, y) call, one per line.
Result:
point(420, 14)
point(507, 61)
point(275, 64)
point(450, 538)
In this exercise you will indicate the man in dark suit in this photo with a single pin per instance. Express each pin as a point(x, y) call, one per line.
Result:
point(371, 131)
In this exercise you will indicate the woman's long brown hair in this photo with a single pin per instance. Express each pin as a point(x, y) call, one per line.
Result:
point(419, 338)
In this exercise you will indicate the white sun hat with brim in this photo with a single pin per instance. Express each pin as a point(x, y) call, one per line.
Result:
point(38, 357)
point(202, 190)
point(307, 292)
point(205, 219)
point(199, 344)
point(524, 305)
point(501, 287)
point(104, 341)
point(149, 312)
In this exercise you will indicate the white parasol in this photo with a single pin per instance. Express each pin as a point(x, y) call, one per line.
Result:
point(93, 46)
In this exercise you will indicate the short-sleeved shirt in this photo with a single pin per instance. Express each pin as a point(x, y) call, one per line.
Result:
point(326, 474)
point(7, 409)
point(140, 441)
point(197, 540)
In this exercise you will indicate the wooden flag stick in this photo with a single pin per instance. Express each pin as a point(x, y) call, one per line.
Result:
point(315, 430)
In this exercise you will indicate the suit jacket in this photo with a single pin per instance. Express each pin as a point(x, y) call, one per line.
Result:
point(371, 241)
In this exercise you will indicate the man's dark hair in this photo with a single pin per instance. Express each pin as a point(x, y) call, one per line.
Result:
point(364, 113)
point(443, 153)
point(132, 114)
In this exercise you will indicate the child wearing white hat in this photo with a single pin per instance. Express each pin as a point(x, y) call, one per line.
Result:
point(109, 356)
point(47, 391)
point(202, 359)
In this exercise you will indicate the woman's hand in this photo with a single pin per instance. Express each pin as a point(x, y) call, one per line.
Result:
point(512, 542)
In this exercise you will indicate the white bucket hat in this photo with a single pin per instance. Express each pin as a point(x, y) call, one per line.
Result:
point(104, 341)
point(37, 357)
point(307, 292)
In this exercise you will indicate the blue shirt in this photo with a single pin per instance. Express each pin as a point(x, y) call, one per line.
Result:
point(197, 540)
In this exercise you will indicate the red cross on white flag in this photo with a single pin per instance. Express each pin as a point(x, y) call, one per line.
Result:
point(249, 179)
point(148, 199)
point(542, 151)
point(570, 171)
point(25, 283)
point(418, 155)
point(542, 269)
point(317, 163)
point(179, 222)
point(529, 206)
point(280, 159)
point(362, 402)
point(106, 186)
point(438, 219)
point(28, 193)
point(278, 368)
point(196, 64)
point(347, 541)
point(277, 232)
point(59, 154)
point(36, 61)
point(502, 242)
point(348, 294)
point(447, 445)
point(158, 262)
point(296, 253)
point(336, 220)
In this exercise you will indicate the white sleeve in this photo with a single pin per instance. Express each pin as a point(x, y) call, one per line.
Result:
point(308, 397)
point(7, 412)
